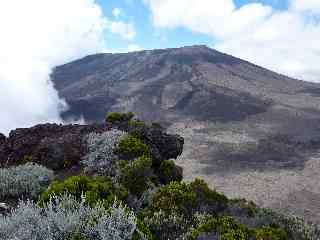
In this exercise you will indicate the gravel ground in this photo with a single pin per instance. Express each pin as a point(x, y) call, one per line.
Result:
point(290, 190)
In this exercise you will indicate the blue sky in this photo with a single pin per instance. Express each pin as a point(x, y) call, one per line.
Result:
point(148, 37)
point(280, 35)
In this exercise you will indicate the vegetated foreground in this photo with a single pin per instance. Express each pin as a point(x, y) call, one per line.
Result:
point(249, 132)
point(118, 180)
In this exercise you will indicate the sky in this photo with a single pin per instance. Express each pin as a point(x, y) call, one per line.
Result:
point(37, 35)
point(281, 35)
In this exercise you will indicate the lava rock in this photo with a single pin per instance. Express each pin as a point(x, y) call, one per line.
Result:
point(52, 145)
point(62, 146)
point(2, 139)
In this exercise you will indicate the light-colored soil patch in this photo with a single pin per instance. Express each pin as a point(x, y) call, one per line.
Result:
point(292, 191)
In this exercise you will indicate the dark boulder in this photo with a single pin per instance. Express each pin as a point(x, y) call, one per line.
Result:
point(2, 139)
point(52, 145)
point(163, 146)
point(3, 150)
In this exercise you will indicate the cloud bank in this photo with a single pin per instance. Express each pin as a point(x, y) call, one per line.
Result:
point(37, 35)
point(284, 41)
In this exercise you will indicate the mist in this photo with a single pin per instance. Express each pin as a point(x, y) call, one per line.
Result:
point(36, 36)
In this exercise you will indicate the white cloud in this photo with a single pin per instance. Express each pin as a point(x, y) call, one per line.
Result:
point(284, 41)
point(37, 35)
point(116, 12)
point(306, 5)
point(125, 30)
point(134, 48)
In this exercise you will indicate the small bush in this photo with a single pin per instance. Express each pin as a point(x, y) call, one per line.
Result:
point(209, 201)
point(168, 226)
point(135, 174)
point(101, 157)
point(271, 233)
point(27, 180)
point(67, 218)
point(93, 189)
point(143, 232)
point(188, 199)
point(225, 227)
point(131, 147)
point(169, 172)
point(116, 117)
point(136, 123)
point(295, 227)
point(248, 208)
point(175, 197)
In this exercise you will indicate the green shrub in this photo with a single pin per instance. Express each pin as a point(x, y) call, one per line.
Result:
point(136, 123)
point(93, 189)
point(135, 174)
point(249, 206)
point(177, 196)
point(116, 117)
point(295, 227)
point(271, 233)
point(188, 199)
point(166, 226)
point(27, 159)
point(169, 172)
point(142, 232)
point(131, 147)
point(225, 227)
point(209, 201)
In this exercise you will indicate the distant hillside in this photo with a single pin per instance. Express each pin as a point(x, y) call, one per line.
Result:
point(245, 127)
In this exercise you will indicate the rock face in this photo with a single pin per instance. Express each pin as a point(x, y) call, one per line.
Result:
point(157, 84)
point(163, 146)
point(2, 139)
point(51, 145)
point(248, 131)
point(61, 146)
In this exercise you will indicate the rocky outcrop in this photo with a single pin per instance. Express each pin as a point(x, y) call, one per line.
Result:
point(2, 139)
point(163, 146)
point(51, 145)
point(61, 146)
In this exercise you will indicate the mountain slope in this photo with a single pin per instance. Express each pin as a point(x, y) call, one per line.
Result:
point(171, 83)
point(245, 127)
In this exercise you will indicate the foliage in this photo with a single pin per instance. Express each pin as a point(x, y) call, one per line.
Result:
point(296, 227)
point(188, 198)
point(27, 180)
point(101, 155)
point(169, 172)
point(136, 123)
point(249, 207)
point(131, 147)
point(143, 232)
point(167, 226)
point(271, 233)
point(66, 217)
point(93, 189)
point(27, 159)
point(226, 227)
point(175, 197)
point(135, 174)
point(116, 117)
